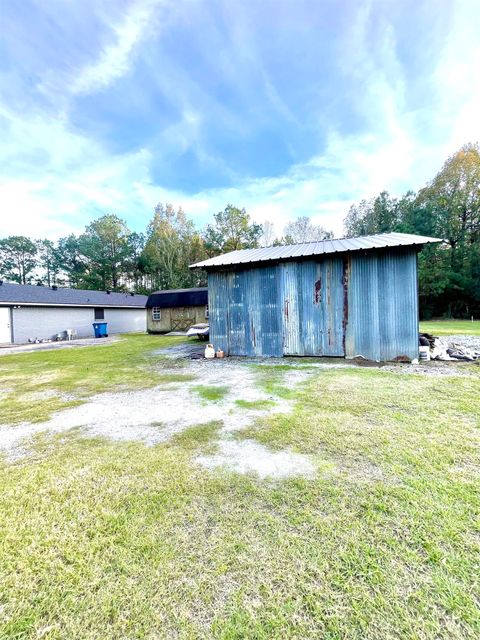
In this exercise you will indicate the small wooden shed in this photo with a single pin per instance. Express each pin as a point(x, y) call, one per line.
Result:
point(176, 309)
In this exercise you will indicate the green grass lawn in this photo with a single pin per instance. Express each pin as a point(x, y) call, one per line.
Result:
point(26, 377)
point(451, 327)
point(101, 539)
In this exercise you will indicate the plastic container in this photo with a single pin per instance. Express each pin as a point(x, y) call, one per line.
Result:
point(209, 351)
point(100, 329)
point(424, 354)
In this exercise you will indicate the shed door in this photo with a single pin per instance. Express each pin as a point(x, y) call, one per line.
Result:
point(5, 330)
point(254, 317)
point(312, 295)
point(245, 312)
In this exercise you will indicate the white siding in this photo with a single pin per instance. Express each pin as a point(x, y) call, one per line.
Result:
point(5, 326)
point(46, 322)
point(126, 320)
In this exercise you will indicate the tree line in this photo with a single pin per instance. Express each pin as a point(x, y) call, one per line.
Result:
point(109, 256)
point(448, 207)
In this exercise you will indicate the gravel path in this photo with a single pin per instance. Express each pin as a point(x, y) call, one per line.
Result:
point(48, 346)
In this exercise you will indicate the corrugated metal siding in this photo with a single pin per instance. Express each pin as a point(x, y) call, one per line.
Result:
point(218, 312)
point(244, 309)
point(301, 308)
point(318, 248)
point(264, 307)
point(292, 309)
point(313, 307)
point(382, 306)
point(331, 305)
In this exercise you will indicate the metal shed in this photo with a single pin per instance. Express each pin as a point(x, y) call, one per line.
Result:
point(346, 297)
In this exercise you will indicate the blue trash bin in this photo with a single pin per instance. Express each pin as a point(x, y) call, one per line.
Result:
point(100, 329)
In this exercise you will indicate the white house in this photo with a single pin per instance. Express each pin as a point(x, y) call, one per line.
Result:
point(29, 312)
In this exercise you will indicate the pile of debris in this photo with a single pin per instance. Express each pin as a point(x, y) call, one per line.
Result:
point(445, 349)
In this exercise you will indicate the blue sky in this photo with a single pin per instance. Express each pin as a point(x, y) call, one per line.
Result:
point(286, 107)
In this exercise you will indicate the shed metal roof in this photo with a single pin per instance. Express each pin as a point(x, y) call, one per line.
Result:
point(170, 298)
point(27, 294)
point(318, 248)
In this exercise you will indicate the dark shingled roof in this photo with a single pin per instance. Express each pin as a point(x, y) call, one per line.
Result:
point(178, 298)
point(318, 248)
point(28, 294)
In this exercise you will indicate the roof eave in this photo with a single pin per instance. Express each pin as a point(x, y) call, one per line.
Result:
point(210, 267)
point(69, 304)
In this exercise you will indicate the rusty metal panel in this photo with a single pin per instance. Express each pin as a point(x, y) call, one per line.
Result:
point(365, 304)
point(331, 304)
point(382, 305)
point(264, 330)
point(312, 293)
point(238, 308)
point(245, 316)
point(292, 344)
point(219, 284)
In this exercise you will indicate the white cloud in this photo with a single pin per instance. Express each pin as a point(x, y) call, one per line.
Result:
point(61, 180)
point(56, 179)
point(116, 58)
point(457, 79)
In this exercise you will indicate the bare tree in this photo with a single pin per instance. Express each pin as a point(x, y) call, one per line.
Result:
point(303, 230)
point(268, 235)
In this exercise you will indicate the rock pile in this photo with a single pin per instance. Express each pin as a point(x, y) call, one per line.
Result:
point(448, 349)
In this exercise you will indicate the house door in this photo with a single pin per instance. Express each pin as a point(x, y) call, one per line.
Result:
point(313, 314)
point(5, 330)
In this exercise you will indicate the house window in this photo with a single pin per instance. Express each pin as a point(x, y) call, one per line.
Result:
point(156, 313)
point(206, 311)
point(99, 314)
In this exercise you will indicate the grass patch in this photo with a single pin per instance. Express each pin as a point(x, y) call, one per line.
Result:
point(271, 379)
point(211, 392)
point(168, 378)
point(380, 412)
point(255, 404)
point(451, 327)
point(119, 540)
point(198, 435)
point(14, 410)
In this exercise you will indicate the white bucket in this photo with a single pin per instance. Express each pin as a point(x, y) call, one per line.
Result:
point(209, 351)
point(424, 353)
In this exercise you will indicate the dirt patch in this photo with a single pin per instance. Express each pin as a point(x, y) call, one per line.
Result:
point(433, 368)
point(154, 415)
point(468, 469)
point(248, 456)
